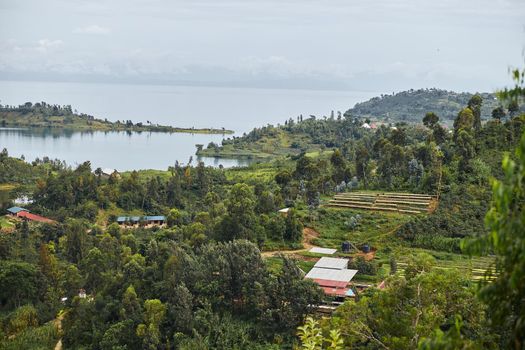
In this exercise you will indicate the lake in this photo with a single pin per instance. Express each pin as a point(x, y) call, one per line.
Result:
point(239, 109)
point(116, 150)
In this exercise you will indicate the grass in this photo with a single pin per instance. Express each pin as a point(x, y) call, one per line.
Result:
point(7, 187)
point(6, 223)
point(474, 267)
point(275, 265)
point(378, 230)
point(279, 144)
point(38, 338)
point(255, 172)
point(374, 228)
point(103, 215)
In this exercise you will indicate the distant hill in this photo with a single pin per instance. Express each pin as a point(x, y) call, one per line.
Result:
point(411, 105)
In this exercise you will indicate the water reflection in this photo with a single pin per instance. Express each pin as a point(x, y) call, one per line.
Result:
point(121, 150)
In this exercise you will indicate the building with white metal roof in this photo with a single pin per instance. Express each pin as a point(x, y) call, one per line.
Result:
point(319, 250)
point(332, 263)
point(344, 275)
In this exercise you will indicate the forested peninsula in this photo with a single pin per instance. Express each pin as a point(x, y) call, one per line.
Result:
point(45, 115)
point(314, 134)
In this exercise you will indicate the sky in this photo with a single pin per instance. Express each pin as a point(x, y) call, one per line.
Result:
point(380, 45)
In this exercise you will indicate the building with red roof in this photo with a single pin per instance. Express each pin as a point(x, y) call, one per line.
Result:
point(333, 276)
point(27, 215)
point(33, 217)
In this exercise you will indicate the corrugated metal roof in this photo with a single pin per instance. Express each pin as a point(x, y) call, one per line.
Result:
point(320, 250)
point(156, 218)
point(34, 217)
point(329, 283)
point(141, 218)
point(15, 210)
point(344, 275)
point(340, 292)
point(332, 263)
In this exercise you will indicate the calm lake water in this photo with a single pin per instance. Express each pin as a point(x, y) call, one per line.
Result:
point(116, 150)
point(239, 109)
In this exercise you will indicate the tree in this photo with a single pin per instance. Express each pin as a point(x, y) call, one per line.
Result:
point(76, 243)
point(339, 164)
point(514, 107)
point(466, 147)
point(506, 221)
point(291, 297)
point(24, 317)
point(94, 265)
point(430, 120)
point(149, 331)
point(498, 113)
point(130, 306)
point(474, 104)
point(337, 159)
point(464, 120)
point(175, 218)
point(516, 93)
point(240, 220)
point(294, 227)
point(312, 338)
point(19, 281)
point(410, 308)
point(362, 157)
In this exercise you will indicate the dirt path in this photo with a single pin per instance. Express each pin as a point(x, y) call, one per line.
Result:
point(58, 325)
point(309, 235)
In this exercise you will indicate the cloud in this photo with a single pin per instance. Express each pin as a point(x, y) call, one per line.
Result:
point(93, 29)
point(44, 45)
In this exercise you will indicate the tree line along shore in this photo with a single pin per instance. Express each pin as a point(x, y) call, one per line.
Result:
point(45, 115)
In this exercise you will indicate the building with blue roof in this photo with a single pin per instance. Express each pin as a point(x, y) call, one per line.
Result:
point(141, 220)
point(16, 210)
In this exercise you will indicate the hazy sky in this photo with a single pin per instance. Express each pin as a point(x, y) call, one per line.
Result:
point(370, 45)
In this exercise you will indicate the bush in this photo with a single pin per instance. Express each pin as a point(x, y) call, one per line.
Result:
point(364, 267)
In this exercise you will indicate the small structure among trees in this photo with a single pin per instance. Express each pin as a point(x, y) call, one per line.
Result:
point(157, 220)
point(25, 214)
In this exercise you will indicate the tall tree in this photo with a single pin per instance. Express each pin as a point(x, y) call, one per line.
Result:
point(505, 295)
point(474, 104)
point(149, 331)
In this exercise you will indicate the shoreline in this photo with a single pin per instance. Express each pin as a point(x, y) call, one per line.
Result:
point(87, 128)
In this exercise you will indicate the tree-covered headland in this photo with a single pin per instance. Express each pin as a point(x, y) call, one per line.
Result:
point(46, 115)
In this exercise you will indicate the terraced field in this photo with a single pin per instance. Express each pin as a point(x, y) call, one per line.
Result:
point(477, 268)
point(405, 203)
point(372, 218)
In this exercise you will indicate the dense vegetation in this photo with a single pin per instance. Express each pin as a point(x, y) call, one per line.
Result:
point(45, 115)
point(201, 282)
point(410, 105)
point(314, 135)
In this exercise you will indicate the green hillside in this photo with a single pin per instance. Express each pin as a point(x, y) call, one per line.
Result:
point(411, 105)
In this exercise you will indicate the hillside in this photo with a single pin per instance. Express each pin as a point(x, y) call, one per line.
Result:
point(313, 135)
point(198, 280)
point(411, 105)
point(45, 115)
